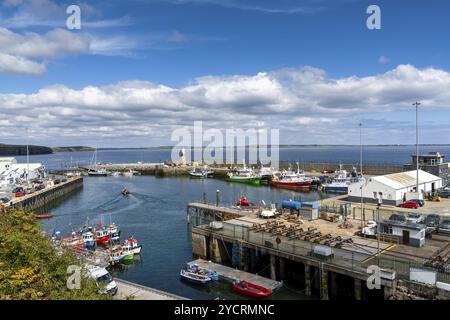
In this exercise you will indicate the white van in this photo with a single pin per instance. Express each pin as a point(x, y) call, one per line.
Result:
point(103, 279)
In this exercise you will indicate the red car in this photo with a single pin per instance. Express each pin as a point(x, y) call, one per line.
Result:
point(20, 194)
point(409, 204)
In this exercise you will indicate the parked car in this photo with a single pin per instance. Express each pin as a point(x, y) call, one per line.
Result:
point(30, 190)
point(19, 194)
point(444, 226)
point(443, 193)
point(397, 217)
point(415, 218)
point(57, 181)
point(40, 187)
point(17, 189)
point(4, 200)
point(419, 202)
point(432, 220)
point(409, 205)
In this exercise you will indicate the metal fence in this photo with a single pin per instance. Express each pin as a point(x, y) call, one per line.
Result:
point(355, 261)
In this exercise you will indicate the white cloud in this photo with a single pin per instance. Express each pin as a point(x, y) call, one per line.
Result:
point(303, 101)
point(26, 49)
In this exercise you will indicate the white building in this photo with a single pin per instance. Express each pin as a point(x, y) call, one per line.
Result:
point(392, 188)
point(12, 173)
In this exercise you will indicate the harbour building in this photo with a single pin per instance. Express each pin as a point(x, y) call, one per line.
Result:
point(433, 162)
point(393, 188)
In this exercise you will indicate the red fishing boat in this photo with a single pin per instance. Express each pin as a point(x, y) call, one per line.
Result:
point(44, 216)
point(289, 179)
point(251, 289)
point(102, 236)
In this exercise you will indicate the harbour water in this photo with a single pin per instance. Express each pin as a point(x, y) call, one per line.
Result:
point(155, 214)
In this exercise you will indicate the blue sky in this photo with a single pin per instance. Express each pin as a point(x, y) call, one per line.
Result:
point(191, 59)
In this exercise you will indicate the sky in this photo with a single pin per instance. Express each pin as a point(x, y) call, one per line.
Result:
point(138, 70)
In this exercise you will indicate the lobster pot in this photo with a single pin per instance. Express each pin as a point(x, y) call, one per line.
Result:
point(309, 213)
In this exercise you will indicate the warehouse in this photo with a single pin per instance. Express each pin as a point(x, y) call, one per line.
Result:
point(12, 173)
point(392, 188)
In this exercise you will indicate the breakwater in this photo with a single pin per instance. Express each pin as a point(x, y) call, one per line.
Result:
point(314, 168)
point(41, 198)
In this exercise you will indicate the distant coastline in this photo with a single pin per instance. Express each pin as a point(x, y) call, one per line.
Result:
point(72, 149)
point(21, 150)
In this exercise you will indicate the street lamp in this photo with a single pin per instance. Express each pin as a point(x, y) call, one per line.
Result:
point(417, 104)
point(380, 202)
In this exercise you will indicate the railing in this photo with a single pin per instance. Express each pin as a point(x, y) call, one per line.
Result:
point(356, 261)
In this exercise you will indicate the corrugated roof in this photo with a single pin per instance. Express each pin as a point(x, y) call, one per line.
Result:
point(406, 179)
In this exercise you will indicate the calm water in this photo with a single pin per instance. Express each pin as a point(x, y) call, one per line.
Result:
point(155, 215)
point(350, 154)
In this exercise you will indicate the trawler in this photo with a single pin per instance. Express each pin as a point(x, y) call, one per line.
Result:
point(244, 175)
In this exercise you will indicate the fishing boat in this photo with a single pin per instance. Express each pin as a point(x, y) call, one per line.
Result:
point(44, 216)
point(197, 174)
point(194, 277)
point(127, 252)
point(289, 179)
point(125, 192)
point(113, 232)
point(341, 180)
point(102, 235)
point(88, 239)
point(116, 255)
point(267, 174)
point(133, 244)
point(251, 289)
point(244, 175)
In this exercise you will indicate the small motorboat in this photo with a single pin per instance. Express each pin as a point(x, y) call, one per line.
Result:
point(214, 275)
point(194, 277)
point(251, 289)
point(44, 216)
point(244, 203)
point(125, 192)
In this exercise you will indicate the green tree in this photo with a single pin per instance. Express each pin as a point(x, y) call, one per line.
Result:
point(30, 267)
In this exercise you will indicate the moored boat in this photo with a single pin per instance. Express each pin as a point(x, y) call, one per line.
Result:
point(214, 275)
point(251, 289)
point(244, 203)
point(44, 216)
point(194, 277)
point(244, 175)
point(102, 235)
point(88, 239)
point(295, 180)
point(133, 244)
point(116, 255)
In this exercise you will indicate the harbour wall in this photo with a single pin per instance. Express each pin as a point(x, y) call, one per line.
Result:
point(313, 168)
point(41, 198)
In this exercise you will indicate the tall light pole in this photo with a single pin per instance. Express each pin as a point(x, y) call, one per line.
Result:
point(417, 104)
point(361, 173)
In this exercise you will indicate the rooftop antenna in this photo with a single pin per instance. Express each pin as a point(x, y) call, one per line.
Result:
point(417, 104)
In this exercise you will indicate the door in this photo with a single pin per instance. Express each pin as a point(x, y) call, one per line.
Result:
point(405, 237)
